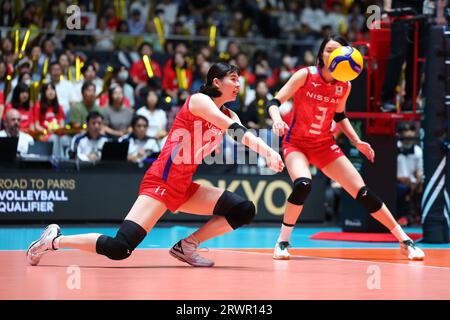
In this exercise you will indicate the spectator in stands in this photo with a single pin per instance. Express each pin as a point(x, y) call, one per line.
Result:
point(123, 40)
point(177, 75)
point(50, 120)
point(12, 129)
point(111, 18)
point(64, 89)
point(88, 146)
point(89, 72)
point(313, 18)
point(117, 116)
point(21, 102)
point(138, 71)
point(169, 11)
point(8, 54)
point(6, 14)
point(201, 76)
point(81, 109)
point(141, 146)
point(247, 78)
point(67, 68)
point(157, 118)
point(256, 115)
point(23, 67)
point(409, 175)
point(104, 39)
point(136, 22)
point(121, 76)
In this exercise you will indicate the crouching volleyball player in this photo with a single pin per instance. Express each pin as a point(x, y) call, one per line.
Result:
point(168, 183)
point(318, 100)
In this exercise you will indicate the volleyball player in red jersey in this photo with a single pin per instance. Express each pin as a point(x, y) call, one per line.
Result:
point(318, 99)
point(196, 132)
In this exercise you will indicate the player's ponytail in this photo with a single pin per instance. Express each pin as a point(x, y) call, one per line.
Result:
point(219, 71)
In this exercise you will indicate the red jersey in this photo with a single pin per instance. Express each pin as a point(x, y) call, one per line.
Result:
point(138, 70)
point(190, 140)
point(313, 109)
point(49, 116)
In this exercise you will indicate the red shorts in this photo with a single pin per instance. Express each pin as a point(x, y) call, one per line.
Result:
point(172, 197)
point(319, 155)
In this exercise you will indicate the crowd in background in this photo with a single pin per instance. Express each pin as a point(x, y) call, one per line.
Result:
point(62, 76)
point(80, 90)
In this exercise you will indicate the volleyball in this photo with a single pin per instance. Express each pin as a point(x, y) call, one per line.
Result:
point(345, 63)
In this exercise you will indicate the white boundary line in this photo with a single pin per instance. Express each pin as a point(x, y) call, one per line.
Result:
point(339, 259)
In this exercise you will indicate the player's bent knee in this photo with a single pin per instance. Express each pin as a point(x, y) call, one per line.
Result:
point(369, 200)
point(300, 191)
point(129, 236)
point(236, 209)
point(241, 214)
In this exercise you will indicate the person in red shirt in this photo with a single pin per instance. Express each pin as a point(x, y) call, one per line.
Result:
point(308, 139)
point(196, 132)
point(49, 119)
point(48, 113)
point(21, 102)
point(138, 72)
point(171, 83)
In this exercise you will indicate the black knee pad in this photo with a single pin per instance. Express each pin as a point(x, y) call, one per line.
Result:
point(300, 191)
point(129, 236)
point(237, 210)
point(369, 200)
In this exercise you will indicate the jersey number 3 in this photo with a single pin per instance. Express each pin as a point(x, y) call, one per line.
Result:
point(316, 127)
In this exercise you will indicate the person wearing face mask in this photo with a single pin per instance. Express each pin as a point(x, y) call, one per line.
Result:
point(121, 78)
point(12, 129)
point(409, 174)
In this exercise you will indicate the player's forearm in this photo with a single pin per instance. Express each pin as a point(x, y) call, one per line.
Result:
point(256, 144)
point(348, 130)
point(387, 6)
point(275, 114)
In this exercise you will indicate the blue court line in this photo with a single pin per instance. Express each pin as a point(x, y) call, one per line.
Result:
point(18, 238)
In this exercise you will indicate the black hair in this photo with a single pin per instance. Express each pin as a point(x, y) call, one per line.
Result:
point(86, 85)
point(218, 70)
point(54, 63)
point(143, 45)
point(45, 103)
point(111, 91)
point(94, 115)
point(331, 37)
point(21, 87)
point(87, 65)
point(135, 120)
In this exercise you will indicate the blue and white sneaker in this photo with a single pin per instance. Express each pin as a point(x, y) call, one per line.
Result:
point(43, 244)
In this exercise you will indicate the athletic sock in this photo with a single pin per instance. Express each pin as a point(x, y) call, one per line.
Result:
point(285, 234)
point(398, 232)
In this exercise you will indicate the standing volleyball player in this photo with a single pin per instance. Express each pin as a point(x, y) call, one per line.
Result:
point(318, 100)
point(168, 183)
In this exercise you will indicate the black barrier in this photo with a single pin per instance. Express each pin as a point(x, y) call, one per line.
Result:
point(104, 196)
point(434, 217)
